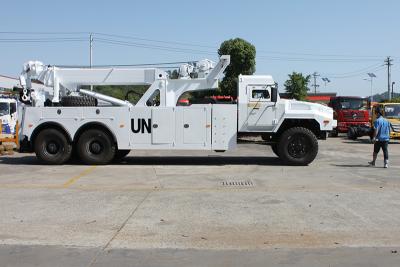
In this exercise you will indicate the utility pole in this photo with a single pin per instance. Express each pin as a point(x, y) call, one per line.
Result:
point(393, 83)
point(91, 54)
point(388, 63)
point(315, 85)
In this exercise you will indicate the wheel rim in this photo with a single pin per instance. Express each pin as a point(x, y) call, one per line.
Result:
point(96, 147)
point(53, 147)
point(298, 146)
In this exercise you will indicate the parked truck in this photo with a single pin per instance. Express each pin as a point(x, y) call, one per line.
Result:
point(8, 123)
point(391, 112)
point(8, 114)
point(349, 111)
point(62, 117)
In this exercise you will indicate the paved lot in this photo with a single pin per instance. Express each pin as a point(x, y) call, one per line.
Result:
point(163, 208)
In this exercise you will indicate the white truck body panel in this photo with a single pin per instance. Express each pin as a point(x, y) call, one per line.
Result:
point(202, 127)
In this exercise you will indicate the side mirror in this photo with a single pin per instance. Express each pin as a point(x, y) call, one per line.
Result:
point(274, 94)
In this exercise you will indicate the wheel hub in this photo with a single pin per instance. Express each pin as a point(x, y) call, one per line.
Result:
point(95, 148)
point(52, 148)
point(298, 147)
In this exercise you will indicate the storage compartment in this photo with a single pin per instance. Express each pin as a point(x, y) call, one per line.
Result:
point(195, 126)
point(163, 125)
point(224, 127)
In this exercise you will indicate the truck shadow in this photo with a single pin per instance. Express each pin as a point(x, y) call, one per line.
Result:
point(351, 165)
point(358, 141)
point(162, 160)
point(201, 160)
point(366, 142)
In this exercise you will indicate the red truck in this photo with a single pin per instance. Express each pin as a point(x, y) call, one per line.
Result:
point(349, 111)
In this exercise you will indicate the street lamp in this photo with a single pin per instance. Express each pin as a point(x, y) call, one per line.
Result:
point(326, 80)
point(371, 77)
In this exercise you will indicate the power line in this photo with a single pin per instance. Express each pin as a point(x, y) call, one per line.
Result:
point(314, 57)
point(296, 59)
point(39, 40)
point(157, 47)
point(355, 71)
point(154, 40)
point(317, 55)
point(42, 33)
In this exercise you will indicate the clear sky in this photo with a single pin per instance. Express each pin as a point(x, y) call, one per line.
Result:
point(341, 40)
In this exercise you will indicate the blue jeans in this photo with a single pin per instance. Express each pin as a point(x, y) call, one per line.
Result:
point(384, 145)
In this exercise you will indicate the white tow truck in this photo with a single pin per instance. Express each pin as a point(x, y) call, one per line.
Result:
point(62, 117)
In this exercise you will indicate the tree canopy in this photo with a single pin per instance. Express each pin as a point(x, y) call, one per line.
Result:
point(243, 61)
point(297, 85)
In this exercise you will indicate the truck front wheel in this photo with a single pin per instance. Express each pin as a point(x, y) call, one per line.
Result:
point(96, 147)
point(52, 147)
point(298, 146)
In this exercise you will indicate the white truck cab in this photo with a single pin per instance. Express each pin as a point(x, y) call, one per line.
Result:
point(8, 114)
point(62, 117)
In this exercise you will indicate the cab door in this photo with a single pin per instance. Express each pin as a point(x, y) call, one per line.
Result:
point(260, 109)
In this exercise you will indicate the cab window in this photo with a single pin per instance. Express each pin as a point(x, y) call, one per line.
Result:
point(4, 109)
point(260, 94)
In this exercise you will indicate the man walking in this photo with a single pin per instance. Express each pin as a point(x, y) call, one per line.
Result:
point(381, 137)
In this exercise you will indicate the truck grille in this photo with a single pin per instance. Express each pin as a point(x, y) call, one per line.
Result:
point(354, 116)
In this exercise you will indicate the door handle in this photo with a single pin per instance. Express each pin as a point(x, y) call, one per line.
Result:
point(186, 125)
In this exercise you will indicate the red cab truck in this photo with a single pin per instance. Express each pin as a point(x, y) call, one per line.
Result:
point(349, 111)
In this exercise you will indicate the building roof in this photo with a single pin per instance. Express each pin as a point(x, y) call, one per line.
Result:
point(8, 82)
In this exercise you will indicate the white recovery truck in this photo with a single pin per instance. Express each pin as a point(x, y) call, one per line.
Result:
point(63, 117)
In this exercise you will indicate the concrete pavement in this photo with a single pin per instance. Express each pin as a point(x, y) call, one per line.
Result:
point(161, 208)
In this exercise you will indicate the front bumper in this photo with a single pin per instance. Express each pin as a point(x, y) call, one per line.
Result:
point(343, 127)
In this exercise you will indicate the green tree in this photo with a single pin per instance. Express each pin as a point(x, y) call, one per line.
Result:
point(297, 85)
point(243, 61)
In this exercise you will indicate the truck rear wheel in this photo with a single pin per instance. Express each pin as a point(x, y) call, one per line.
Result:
point(96, 147)
point(52, 147)
point(298, 146)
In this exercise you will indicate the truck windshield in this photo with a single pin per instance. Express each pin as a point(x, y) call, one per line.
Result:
point(392, 111)
point(351, 103)
point(4, 109)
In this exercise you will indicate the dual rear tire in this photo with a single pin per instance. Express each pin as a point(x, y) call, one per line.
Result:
point(52, 147)
point(94, 147)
